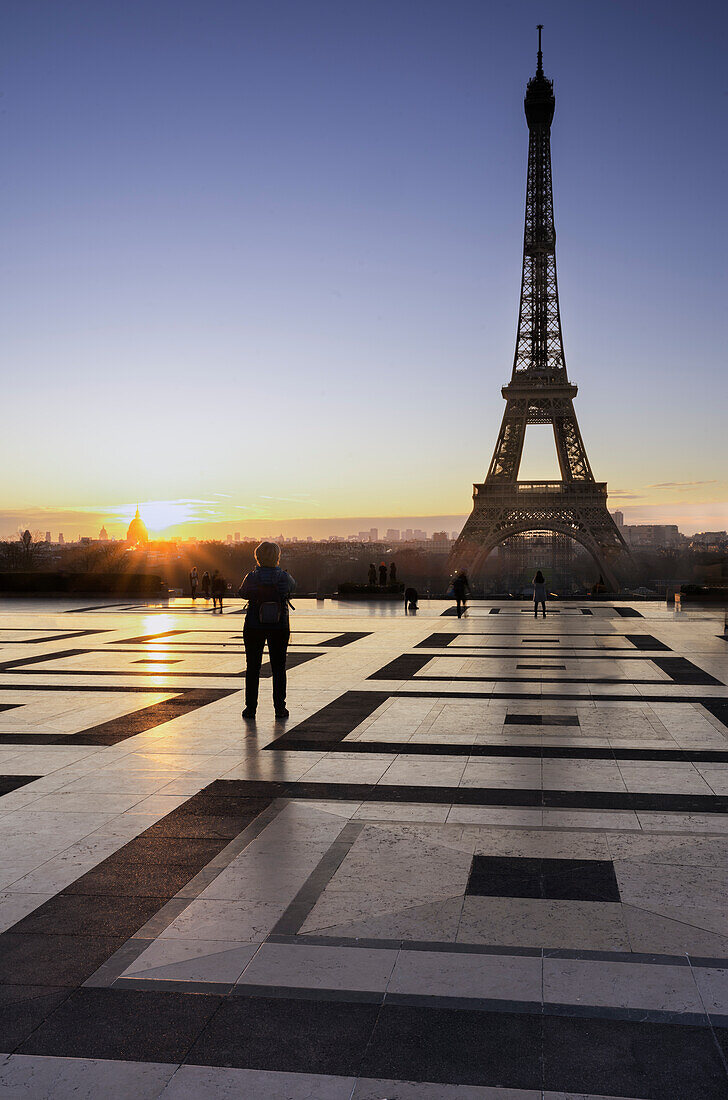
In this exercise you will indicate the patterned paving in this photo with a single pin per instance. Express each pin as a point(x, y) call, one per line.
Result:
point(484, 858)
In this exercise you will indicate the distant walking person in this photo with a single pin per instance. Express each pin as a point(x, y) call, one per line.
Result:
point(219, 587)
point(267, 589)
point(539, 594)
point(372, 574)
point(392, 573)
point(461, 588)
point(383, 575)
point(205, 585)
point(193, 581)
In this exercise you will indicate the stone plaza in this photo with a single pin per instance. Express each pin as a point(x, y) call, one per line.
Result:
point(483, 858)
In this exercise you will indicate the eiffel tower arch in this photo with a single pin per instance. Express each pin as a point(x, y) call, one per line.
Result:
point(539, 392)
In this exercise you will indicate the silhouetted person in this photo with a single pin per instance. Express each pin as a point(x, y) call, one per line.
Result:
point(392, 573)
point(267, 589)
point(383, 575)
point(193, 581)
point(539, 594)
point(372, 573)
point(205, 585)
point(411, 596)
point(218, 586)
point(461, 588)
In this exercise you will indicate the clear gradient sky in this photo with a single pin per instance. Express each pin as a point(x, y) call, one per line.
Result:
point(263, 258)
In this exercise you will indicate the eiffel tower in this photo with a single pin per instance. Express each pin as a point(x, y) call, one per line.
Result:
point(540, 393)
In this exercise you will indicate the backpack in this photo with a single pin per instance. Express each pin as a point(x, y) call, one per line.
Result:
point(270, 601)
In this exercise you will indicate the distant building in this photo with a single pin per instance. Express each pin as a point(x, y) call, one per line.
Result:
point(137, 534)
point(103, 535)
point(419, 535)
point(440, 537)
point(618, 518)
point(61, 540)
point(229, 539)
point(392, 534)
point(709, 538)
point(237, 536)
point(363, 536)
point(408, 535)
point(658, 535)
point(48, 536)
point(374, 534)
point(454, 535)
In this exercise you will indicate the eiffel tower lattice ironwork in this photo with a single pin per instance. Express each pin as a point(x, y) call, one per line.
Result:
point(540, 393)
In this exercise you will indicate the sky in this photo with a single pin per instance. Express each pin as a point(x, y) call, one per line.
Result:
point(261, 260)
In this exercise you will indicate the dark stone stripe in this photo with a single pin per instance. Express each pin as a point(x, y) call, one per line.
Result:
point(646, 641)
point(403, 667)
point(151, 637)
point(538, 752)
point(530, 680)
point(337, 719)
point(336, 1033)
point(436, 641)
point(304, 901)
point(718, 708)
point(571, 652)
point(292, 660)
point(128, 725)
point(54, 638)
point(541, 720)
point(469, 796)
point(683, 671)
point(533, 668)
point(346, 638)
point(37, 658)
point(10, 783)
point(628, 612)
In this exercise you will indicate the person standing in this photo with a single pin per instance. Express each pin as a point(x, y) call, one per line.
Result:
point(267, 589)
point(205, 585)
point(218, 586)
point(382, 575)
point(392, 573)
point(193, 582)
point(372, 578)
point(539, 594)
point(461, 588)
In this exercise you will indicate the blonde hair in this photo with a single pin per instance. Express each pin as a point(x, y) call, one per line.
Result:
point(268, 553)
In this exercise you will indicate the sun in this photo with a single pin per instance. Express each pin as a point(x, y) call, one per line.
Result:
point(159, 515)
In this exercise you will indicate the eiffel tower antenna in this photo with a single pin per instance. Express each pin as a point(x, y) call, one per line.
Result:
point(540, 392)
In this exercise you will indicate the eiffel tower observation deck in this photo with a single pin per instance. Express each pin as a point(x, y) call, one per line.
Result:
point(540, 392)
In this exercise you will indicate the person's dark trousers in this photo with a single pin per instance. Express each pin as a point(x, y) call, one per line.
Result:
point(535, 608)
point(462, 605)
point(255, 638)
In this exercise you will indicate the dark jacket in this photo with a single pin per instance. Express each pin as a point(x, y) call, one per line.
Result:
point(252, 583)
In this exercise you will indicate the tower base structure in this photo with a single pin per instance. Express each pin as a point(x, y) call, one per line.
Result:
point(575, 509)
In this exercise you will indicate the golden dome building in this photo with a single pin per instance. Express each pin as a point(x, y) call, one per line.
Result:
point(137, 534)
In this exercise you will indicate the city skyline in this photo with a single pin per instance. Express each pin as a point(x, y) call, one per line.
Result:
point(331, 202)
point(295, 529)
